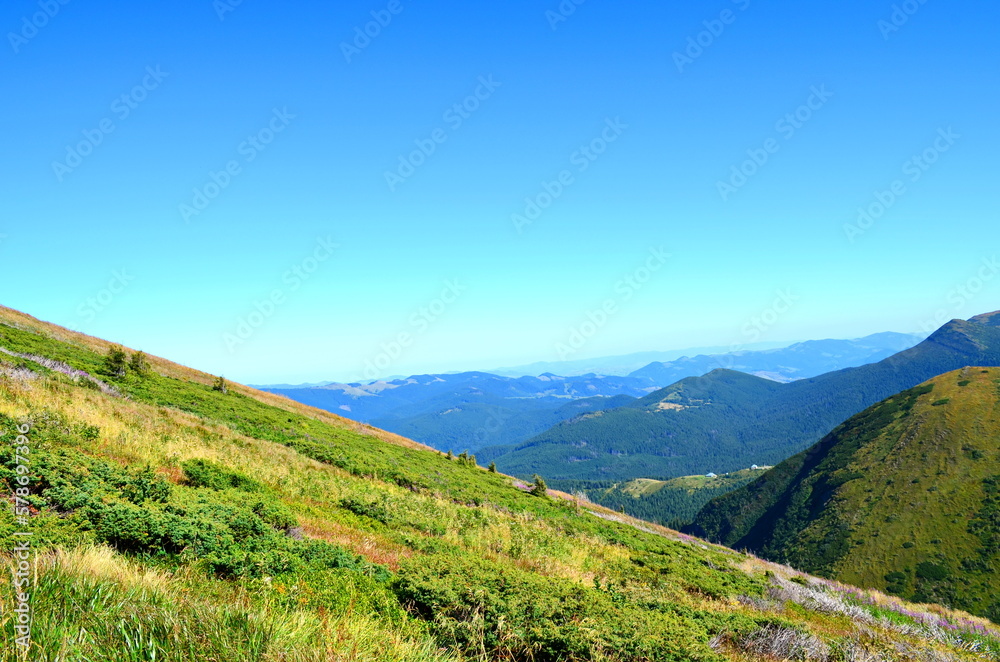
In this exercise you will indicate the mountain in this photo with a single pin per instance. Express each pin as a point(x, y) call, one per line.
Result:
point(904, 497)
point(727, 420)
point(798, 361)
point(177, 517)
point(622, 364)
point(673, 502)
point(469, 410)
point(465, 411)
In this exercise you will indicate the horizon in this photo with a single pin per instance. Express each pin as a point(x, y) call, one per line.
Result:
point(275, 196)
point(512, 371)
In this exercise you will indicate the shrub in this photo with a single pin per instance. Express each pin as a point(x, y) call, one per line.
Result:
point(205, 473)
point(932, 571)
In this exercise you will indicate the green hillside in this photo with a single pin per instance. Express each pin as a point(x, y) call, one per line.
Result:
point(726, 420)
point(672, 502)
point(904, 497)
point(176, 517)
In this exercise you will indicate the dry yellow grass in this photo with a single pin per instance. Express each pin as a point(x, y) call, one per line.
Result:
point(178, 371)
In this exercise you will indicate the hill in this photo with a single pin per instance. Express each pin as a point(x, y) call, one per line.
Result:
point(904, 497)
point(727, 420)
point(176, 517)
point(673, 502)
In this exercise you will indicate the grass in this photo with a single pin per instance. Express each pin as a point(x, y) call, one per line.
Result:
point(168, 523)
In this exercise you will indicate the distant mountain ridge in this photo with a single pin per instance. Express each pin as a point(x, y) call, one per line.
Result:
point(903, 497)
point(470, 410)
point(728, 420)
point(798, 361)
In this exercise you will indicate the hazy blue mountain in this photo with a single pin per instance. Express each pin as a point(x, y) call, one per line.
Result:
point(470, 410)
point(798, 361)
point(727, 420)
point(622, 364)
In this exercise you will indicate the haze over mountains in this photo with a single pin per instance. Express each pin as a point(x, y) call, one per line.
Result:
point(728, 420)
point(470, 410)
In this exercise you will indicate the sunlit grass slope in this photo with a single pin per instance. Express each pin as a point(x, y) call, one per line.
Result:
point(173, 521)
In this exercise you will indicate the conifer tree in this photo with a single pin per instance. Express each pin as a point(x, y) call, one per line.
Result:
point(539, 488)
point(116, 361)
point(139, 364)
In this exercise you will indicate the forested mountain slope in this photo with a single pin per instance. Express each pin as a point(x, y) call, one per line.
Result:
point(904, 497)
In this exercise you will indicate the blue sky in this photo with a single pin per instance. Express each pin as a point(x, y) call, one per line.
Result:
point(306, 261)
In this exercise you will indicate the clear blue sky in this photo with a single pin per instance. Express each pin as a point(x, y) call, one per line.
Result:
point(99, 240)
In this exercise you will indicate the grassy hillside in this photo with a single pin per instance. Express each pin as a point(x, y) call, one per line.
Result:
point(173, 521)
point(727, 420)
point(672, 502)
point(904, 497)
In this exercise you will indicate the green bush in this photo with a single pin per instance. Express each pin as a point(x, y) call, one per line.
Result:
point(499, 611)
point(932, 571)
point(205, 473)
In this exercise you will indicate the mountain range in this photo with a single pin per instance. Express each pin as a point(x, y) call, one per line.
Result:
point(470, 410)
point(727, 420)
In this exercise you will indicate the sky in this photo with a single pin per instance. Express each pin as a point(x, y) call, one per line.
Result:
point(296, 192)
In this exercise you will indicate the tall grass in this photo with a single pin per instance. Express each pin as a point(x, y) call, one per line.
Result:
point(92, 604)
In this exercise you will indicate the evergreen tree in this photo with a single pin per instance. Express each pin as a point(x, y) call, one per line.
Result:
point(539, 488)
point(116, 361)
point(139, 364)
point(220, 385)
point(493, 467)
